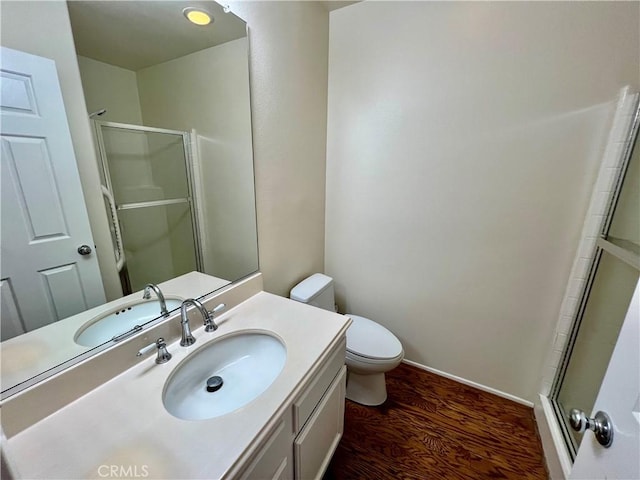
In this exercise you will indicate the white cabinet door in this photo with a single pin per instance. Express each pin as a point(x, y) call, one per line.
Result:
point(619, 397)
point(44, 218)
point(319, 439)
point(274, 460)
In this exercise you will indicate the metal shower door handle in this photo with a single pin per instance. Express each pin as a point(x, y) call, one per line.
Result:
point(84, 249)
point(600, 425)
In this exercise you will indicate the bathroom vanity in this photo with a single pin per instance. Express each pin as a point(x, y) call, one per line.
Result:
point(122, 428)
point(303, 439)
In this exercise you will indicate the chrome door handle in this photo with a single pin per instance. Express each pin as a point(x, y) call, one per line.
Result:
point(84, 249)
point(600, 425)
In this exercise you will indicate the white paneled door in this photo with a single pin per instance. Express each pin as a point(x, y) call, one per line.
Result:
point(48, 267)
point(619, 398)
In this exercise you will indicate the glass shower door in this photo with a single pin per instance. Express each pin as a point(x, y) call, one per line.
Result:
point(605, 302)
point(148, 174)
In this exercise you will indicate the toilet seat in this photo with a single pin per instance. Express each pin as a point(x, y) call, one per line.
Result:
point(370, 342)
point(380, 363)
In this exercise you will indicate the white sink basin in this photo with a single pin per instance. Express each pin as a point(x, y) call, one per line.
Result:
point(117, 321)
point(246, 364)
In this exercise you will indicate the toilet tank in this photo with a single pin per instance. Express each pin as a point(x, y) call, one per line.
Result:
point(316, 290)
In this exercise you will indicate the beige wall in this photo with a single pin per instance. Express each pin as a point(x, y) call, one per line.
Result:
point(110, 87)
point(463, 141)
point(43, 28)
point(288, 59)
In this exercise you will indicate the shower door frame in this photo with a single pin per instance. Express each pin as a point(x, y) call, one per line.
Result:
point(603, 245)
point(188, 160)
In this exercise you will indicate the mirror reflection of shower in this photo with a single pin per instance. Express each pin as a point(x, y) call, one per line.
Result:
point(196, 81)
point(148, 189)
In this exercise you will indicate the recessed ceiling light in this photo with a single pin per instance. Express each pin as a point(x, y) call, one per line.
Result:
point(197, 16)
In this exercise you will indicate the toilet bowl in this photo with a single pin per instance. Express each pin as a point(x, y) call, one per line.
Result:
point(372, 350)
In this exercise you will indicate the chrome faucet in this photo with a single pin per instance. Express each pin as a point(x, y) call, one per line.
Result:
point(187, 338)
point(207, 316)
point(147, 295)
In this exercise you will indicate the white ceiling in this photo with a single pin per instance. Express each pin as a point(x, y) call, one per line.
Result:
point(336, 4)
point(138, 34)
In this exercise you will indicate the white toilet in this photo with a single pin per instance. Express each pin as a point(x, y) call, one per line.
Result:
point(372, 350)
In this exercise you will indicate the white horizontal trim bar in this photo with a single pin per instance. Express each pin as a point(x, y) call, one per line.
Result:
point(154, 203)
point(627, 255)
point(140, 128)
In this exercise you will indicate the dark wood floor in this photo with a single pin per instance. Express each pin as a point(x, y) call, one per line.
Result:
point(431, 427)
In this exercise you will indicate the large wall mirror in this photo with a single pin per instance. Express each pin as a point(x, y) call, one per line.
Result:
point(169, 107)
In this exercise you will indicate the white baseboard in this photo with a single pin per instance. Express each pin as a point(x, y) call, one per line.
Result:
point(464, 381)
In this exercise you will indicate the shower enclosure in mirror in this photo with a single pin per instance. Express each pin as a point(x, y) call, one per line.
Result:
point(148, 190)
point(170, 106)
point(606, 297)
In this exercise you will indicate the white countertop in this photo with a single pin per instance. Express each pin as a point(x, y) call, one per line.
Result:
point(124, 422)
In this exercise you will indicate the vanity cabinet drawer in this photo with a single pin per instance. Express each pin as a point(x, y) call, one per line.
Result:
point(314, 446)
point(307, 402)
point(274, 461)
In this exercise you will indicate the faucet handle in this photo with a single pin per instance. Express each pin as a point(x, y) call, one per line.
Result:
point(163, 355)
point(218, 308)
point(209, 324)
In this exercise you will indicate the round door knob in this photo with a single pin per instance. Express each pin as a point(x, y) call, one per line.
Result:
point(578, 420)
point(84, 249)
point(600, 425)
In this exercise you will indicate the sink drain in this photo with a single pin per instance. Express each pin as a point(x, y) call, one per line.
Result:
point(214, 383)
